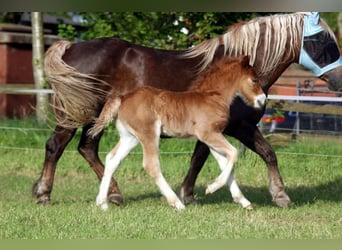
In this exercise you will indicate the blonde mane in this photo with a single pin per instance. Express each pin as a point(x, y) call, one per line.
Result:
point(275, 31)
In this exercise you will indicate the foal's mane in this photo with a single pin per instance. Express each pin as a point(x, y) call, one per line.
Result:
point(243, 39)
point(224, 71)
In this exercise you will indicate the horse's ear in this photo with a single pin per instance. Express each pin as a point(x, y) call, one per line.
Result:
point(245, 62)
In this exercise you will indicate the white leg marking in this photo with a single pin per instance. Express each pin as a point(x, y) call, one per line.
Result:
point(227, 177)
point(113, 159)
point(237, 195)
point(226, 166)
point(169, 194)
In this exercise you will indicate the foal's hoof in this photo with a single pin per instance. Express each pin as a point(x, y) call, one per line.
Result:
point(179, 206)
point(249, 207)
point(104, 206)
point(210, 189)
point(116, 199)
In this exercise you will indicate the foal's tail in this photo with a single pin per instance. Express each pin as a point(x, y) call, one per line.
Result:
point(76, 95)
point(108, 113)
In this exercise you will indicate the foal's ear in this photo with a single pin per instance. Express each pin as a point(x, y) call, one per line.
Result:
point(245, 62)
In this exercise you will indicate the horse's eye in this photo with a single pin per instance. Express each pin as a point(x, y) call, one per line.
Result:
point(254, 80)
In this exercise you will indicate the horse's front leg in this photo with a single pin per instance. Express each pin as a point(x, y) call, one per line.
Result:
point(88, 148)
point(152, 166)
point(250, 135)
point(54, 148)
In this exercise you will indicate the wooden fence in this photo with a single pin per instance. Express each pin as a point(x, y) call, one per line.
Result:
point(279, 102)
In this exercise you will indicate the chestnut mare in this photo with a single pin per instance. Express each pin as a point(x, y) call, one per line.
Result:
point(202, 112)
point(273, 43)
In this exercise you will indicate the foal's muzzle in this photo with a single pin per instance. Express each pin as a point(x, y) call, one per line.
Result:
point(260, 101)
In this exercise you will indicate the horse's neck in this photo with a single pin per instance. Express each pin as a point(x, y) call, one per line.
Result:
point(273, 54)
point(267, 80)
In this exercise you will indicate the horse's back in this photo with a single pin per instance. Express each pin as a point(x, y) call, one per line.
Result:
point(97, 56)
point(127, 65)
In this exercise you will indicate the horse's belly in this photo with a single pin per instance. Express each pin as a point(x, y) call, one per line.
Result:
point(177, 133)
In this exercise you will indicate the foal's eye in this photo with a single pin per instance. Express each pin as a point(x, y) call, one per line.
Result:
point(254, 80)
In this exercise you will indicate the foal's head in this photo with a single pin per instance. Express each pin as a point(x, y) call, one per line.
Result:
point(247, 84)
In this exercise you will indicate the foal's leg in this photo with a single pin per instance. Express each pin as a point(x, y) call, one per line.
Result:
point(235, 191)
point(152, 166)
point(226, 155)
point(113, 159)
point(54, 148)
point(88, 148)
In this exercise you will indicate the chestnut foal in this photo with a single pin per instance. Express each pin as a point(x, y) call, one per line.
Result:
point(202, 112)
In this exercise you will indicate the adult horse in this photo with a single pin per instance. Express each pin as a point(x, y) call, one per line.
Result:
point(273, 43)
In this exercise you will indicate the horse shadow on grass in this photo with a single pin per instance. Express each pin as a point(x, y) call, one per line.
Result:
point(299, 195)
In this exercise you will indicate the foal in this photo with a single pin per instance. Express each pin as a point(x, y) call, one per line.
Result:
point(202, 112)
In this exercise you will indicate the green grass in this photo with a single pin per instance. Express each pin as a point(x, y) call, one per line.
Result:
point(310, 166)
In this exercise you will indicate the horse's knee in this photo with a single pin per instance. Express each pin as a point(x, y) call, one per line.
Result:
point(233, 155)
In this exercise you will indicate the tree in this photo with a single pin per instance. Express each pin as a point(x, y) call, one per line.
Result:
point(167, 30)
point(339, 21)
point(38, 65)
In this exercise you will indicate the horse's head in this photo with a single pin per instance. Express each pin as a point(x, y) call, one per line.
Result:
point(319, 51)
point(249, 88)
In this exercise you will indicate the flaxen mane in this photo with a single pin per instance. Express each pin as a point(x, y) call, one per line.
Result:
point(244, 40)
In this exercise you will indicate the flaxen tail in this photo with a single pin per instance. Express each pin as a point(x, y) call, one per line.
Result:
point(76, 95)
point(108, 113)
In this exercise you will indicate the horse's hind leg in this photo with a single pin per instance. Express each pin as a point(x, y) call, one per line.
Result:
point(113, 160)
point(88, 148)
point(54, 148)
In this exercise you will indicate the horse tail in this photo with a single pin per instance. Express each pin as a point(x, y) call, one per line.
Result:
point(76, 95)
point(108, 113)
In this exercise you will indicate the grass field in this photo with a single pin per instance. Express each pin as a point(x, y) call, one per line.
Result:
point(311, 168)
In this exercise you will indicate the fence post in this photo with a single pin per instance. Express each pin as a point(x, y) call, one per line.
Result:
point(297, 124)
point(38, 65)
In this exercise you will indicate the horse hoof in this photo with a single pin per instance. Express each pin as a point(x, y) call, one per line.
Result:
point(179, 206)
point(43, 200)
point(210, 189)
point(282, 200)
point(187, 199)
point(249, 207)
point(115, 199)
point(104, 206)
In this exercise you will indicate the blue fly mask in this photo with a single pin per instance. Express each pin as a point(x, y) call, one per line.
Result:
point(319, 52)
